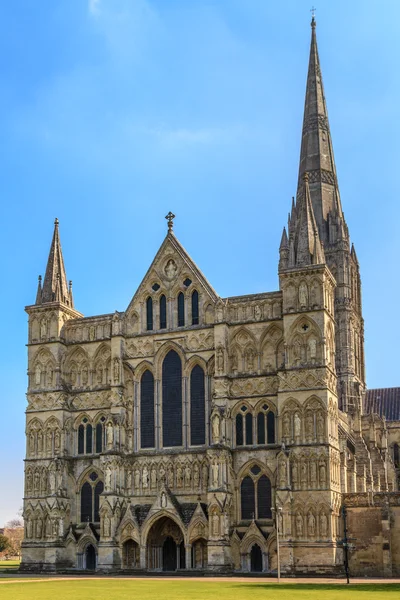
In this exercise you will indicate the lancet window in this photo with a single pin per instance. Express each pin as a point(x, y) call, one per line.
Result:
point(90, 498)
point(195, 307)
point(181, 309)
point(147, 438)
point(256, 495)
point(172, 400)
point(149, 314)
point(197, 407)
point(163, 312)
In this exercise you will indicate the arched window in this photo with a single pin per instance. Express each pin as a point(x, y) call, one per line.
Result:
point(181, 310)
point(248, 498)
point(89, 439)
point(244, 427)
point(249, 428)
point(163, 312)
point(147, 410)
point(90, 499)
point(172, 400)
point(197, 407)
point(195, 308)
point(149, 314)
point(265, 426)
point(256, 495)
point(264, 498)
point(86, 502)
point(81, 439)
point(85, 437)
point(100, 435)
point(396, 455)
point(239, 430)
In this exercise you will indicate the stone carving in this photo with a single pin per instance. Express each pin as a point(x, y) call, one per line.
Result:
point(107, 478)
point(299, 525)
point(216, 427)
point(145, 477)
point(303, 295)
point(109, 435)
point(311, 524)
point(170, 269)
point(116, 370)
point(220, 359)
point(215, 475)
point(297, 425)
point(323, 525)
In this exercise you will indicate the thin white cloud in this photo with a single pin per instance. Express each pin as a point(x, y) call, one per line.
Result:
point(94, 6)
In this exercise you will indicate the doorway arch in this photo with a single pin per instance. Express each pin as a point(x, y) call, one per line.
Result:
point(165, 546)
point(130, 554)
point(256, 559)
point(199, 554)
point(90, 558)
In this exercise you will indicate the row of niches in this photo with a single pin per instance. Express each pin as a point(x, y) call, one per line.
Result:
point(191, 474)
point(47, 327)
point(44, 439)
point(307, 295)
point(308, 424)
point(308, 471)
point(309, 523)
point(43, 481)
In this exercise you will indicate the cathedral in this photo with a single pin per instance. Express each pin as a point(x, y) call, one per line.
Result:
point(191, 432)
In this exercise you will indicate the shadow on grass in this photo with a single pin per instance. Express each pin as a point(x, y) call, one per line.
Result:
point(352, 587)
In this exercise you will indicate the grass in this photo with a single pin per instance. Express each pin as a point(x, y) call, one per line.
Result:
point(8, 564)
point(142, 589)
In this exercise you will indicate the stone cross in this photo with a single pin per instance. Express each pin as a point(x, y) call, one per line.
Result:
point(170, 218)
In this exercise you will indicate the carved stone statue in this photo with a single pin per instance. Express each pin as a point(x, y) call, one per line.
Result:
point(299, 525)
point(116, 370)
point(188, 476)
point(179, 476)
point(312, 348)
point(257, 312)
point(109, 435)
point(313, 473)
point(107, 525)
point(250, 359)
point(286, 425)
point(311, 524)
point(145, 477)
point(40, 441)
point(170, 269)
point(39, 527)
point(215, 475)
point(320, 425)
point(43, 328)
point(215, 524)
point(196, 476)
point(309, 425)
point(220, 359)
point(153, 477)
point(297, 425)
point(108, 474)
point(137, 480)
point(303, 295)
point(216, 427)
point(322, 473)
point(282, 473)
point(295, 475)
point(163, 500)
point(38, 375)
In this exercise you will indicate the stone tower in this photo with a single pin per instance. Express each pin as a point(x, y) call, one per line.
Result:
point(317, 160)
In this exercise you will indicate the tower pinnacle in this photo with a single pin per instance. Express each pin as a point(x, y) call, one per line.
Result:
point(55, 288)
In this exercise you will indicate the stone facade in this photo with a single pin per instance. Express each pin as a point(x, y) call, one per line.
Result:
point(184, 432)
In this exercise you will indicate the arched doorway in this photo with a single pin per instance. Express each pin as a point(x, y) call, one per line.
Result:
point(169, 555)
point(90, 558)
point(199, 554)
point(256, 561)
point(130, 555)
point(165, 546)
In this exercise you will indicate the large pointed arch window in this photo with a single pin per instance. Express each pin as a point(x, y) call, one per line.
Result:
point(147, 410)
point(85, 437)
point(172, 400)
point(265, 425)
point(149, 314)
point(197, 407)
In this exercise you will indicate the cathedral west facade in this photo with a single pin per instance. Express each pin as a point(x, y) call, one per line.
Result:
point(197, 432)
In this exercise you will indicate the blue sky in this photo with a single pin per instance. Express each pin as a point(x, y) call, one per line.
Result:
point(113, 112)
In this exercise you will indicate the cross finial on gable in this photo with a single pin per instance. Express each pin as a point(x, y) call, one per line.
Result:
point(170, 218)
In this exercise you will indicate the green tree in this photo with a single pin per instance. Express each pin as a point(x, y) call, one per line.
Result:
point(4, 543)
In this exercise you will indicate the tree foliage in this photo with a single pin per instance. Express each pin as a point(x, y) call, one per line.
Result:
point(4, 543)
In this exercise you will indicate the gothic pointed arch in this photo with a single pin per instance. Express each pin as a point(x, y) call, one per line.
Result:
point(172, 409)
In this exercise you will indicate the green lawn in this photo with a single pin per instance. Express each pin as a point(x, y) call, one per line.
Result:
point(142, 589)
point(8, 564)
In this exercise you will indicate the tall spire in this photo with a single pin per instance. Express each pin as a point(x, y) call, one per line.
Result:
point(55, 288)
point(316, 156)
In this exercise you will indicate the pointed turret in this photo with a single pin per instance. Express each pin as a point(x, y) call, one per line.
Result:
point(316, 156)
point(55, 287)
point(304, 241)
point(39, 291)
point(284, 251)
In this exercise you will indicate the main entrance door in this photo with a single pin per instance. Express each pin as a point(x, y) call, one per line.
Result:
point(169, 555)
point(165, 547)
point(90, 554)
